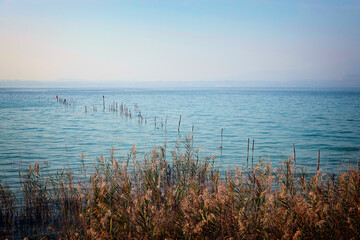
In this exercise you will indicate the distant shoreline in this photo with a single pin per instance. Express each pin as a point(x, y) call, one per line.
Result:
point(251, 85)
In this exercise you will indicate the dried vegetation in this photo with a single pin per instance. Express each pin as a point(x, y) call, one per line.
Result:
point(182, 197)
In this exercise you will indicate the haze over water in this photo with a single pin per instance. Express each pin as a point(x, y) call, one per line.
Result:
point(33, 126)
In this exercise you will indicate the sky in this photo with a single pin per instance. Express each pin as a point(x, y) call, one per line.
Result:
point(250, 43)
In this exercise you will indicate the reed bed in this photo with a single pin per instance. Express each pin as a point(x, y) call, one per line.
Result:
point(182, 196)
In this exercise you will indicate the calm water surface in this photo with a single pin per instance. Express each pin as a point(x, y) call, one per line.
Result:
point(33, 126)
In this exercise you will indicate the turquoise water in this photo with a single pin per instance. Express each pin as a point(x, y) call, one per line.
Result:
point(33, 126)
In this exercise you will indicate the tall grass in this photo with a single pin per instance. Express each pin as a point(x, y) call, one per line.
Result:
point(182, 196)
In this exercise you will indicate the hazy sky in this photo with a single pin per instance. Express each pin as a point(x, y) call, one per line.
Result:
point(250, 41)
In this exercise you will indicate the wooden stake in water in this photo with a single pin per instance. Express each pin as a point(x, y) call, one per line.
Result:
point(294, 154)
point(179, 124)
point(103, 103)
point(85, 109)
point(192, 132)
point(221, 146)
point(247, 155)
point(318, 162)
point(222, 130)
point(165, 122)
point(155, 122)
point(252, 157)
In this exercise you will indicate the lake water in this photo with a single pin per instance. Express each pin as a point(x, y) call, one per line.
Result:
point(34, 126)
